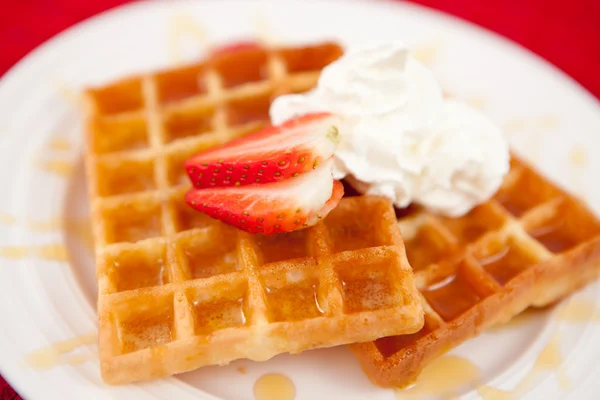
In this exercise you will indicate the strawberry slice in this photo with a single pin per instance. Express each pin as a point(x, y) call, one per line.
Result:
point(272, 154)
point(284, 206)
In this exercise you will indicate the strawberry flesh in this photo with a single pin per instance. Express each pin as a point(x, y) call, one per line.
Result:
point(273, 154)
point(286, 206)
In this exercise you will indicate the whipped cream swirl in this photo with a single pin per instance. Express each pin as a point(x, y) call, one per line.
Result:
point(399, 137)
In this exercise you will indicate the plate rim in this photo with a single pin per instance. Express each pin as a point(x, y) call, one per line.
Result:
point(31, 57)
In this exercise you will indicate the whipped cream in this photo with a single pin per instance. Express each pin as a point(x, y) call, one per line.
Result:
point(399, 137)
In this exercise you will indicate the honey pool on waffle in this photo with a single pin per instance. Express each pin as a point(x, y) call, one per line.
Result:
point(178, 290)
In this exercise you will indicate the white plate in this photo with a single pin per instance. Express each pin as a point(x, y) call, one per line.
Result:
point(46, 272)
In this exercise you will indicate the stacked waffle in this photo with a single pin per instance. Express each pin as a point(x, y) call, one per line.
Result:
point(179, 290)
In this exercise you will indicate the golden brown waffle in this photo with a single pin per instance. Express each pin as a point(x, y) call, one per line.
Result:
point(178, 290)
point(530, 246)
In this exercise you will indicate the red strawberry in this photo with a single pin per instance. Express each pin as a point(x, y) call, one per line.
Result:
point(235, 47)
point(273, 154)
point(285, 206)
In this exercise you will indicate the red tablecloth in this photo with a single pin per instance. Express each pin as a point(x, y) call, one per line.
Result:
point(567, 33)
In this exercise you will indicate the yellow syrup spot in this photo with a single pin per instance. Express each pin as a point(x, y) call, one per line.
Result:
point(14, 252)
point(578, 158)
point(59, 144)
point(46, 225)
point(242, 370)
point(7, 219)
point(477, 102)
point(548, 122)
point(427, 52)
point(538, 124)
point(67, 93)
point(549, 359)
point(51, 252)
point(53, 355)
point(184, 28)
point(43, 358)
point(490, 393)
point(274, 387)
point(578, 310)
point(441, 377)
point(81, 229)
point(59, 167)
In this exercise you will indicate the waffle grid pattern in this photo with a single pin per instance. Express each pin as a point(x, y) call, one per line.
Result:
point(530, 246)
point(178, 290)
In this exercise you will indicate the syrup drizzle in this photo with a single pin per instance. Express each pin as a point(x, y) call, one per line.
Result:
point(442, 377)
point(549, 359)
point(78, 228)
point(427, 52)
point(274, 387)
point(542, 122)
point(478, 102)
point(59, 144)
point(14, 252)
point(67, 93)
point(577, 163)
point(447, 374)
point(578, 311)
point(7, 219)
point(58, 353)
point(578, 157)
point(49, 252)
point(58, 167)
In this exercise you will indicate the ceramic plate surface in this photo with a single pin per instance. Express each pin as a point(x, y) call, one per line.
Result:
point(47, 278)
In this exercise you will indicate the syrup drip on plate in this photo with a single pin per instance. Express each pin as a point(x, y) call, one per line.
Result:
point(14, 252)
point(58, 167)
point(578, 158)
point(59, 144)
point(57, 353)
point(549, 359)
point(442, 377)
point(77, 228)
point(274, 387)
point(578, 311)
point(49, 252)
point(67, 93)
point(7, 219)
point(426, 53)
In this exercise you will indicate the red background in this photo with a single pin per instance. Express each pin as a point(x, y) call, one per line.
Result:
point(566, 33)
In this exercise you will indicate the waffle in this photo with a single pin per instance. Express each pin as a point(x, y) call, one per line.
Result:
point(531, 245)
point(178, 290)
